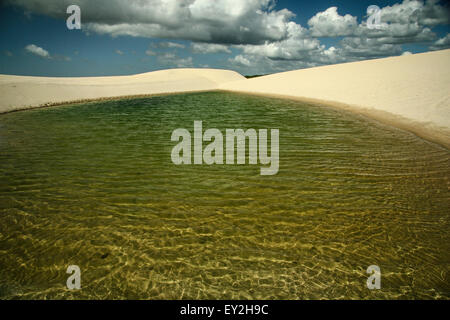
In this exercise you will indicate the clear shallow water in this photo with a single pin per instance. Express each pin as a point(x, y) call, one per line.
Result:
point(93, 185)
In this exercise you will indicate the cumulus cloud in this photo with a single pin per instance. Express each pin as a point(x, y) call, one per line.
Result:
point(330, 24)
point(407, 22)
point(34, 49)
point(404, 22)
point(219, 21)
point(171, 60)
point(364, 48)
point(240, 60)
point(295, 47)
point(429, 13)
point(40, 52)
point(205, 48)
point(120, 52)
point(59, 57)
point(268, 40)
point(171, 45)
point(443, 43)
point(150, 52)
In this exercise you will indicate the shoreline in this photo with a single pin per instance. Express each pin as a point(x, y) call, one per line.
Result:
point(24, 92)
point(101, 99)
point(405, 92)
point(439, 136)
point(427, 132)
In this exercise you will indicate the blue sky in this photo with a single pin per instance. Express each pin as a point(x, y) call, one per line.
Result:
point(249, 36)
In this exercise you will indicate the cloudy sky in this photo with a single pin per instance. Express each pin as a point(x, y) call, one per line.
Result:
point(250, 36)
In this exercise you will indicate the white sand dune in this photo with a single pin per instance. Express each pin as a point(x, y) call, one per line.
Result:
point(410, 92)
point(19, 92)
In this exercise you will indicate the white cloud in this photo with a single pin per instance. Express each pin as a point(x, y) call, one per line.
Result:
point(40, 52)
point(408, 22)
point(187, 62)
point(171, 45)
point(219, 21)
point(443, 43)
point(429, 13)
point(204, 48)
point(59, 57)
point(366, 48)
point(150, 52)
point(171, 60)
point(119, 52)
point(34, 49)
point(330, 24)
point(301, 48)
point(297, 46)
point(404, 22)
point(268, 39)
point(240, 60)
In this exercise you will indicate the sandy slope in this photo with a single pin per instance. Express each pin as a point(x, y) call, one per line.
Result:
point(411, 92)
point(19, 92)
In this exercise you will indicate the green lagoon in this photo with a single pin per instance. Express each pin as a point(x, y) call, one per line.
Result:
point(93, 185)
